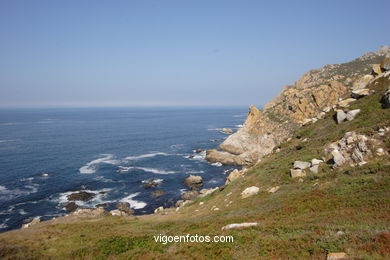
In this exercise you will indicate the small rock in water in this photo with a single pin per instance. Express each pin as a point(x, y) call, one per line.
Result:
point(193, 181)
point(81, 196)
point(71, 206)
point(227, 130)
point(158, 193)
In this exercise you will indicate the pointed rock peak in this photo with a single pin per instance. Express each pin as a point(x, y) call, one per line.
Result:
point(253, 111)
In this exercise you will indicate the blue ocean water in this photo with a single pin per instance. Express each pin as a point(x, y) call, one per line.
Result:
point(46, 154)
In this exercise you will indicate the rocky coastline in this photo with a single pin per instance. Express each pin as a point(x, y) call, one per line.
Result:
point(318, 94)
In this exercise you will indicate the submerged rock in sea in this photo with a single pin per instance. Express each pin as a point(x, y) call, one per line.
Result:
point(81, 196)
point(227, 130)
point(158, 193)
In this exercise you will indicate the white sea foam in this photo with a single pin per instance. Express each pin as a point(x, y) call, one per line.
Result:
point(3, 225)
point(215, 129)
point(104, 179)
point(123, 169)
point(2, 189)
point(91, 167)
point(196, 156)
point(182, 191)
point(152, 170)
point(135, 204)
point(148, 155)
point(194, 172)
point(7, 194)
point(7, 140)
point(239, 126)
point(217, 164)
point(9, 123)
point(157, 181)
point(212, 181)
point(22, 212)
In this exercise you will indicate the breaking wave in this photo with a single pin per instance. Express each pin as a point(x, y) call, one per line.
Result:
point(148, 155)
point(135, 204)
point(91, 167)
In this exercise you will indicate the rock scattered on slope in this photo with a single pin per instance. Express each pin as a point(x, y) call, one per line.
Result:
point(295, 173)
point(353, 149)
point(346, 102)
point(315, 161)
point(33, 222)
point(386, 99)
point(240, 225)
point(301, 165)
point(361, 93)
point(385, 64)
point(125, 207)
point(205, 192)
point(234, 175)
point(190, 195)
point(249, 192)
point(159, 210)
point(362, 82)
point(89, 212)
point(340, 116)
point(337, 256)
point(352, 114)
point(273, 189)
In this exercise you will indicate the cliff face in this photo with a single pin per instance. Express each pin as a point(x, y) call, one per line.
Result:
point(307, 100)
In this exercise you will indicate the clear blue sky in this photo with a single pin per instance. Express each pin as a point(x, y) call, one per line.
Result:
point(173, 53)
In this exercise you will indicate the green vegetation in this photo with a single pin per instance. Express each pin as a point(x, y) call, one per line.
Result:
point(300, 221)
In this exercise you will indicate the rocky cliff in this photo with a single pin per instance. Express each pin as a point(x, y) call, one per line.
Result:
point(307, 100)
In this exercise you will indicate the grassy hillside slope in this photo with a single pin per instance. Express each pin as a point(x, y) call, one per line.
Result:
point(300, 221)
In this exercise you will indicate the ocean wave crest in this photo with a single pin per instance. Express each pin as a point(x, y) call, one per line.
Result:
point(142, 156)
point(91, 167)
point(135, 204)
